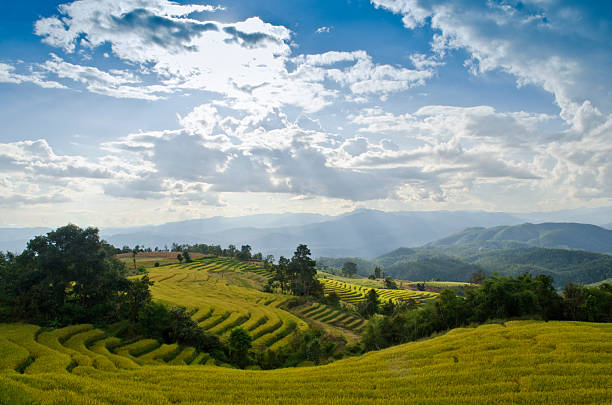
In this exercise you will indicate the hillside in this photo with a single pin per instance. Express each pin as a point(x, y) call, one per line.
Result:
point(222, 294)
point(551, 235)
point(518, 362)
point(458, 262)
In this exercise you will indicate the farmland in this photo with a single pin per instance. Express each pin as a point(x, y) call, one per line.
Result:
point(518, 362)
point(221, 294)
point(353, 293)
point(148, 259)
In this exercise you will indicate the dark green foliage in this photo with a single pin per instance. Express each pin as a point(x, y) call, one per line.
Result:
point(506, 297)
point(298, 275)
point(349, 269)
point(186, 256)
point(312, 345)
point(175, 325)
point(593, 304)
point(239, 344)
point(66, 277)
point(390, 283)
point(370, 306)
point(332, 299)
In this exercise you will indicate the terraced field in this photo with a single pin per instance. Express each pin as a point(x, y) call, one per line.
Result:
point(331, 316)
point(217, 291)
point(519, 362)
point(353, 293)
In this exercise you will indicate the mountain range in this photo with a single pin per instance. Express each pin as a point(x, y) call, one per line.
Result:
point(569, 252)
point(362, 233)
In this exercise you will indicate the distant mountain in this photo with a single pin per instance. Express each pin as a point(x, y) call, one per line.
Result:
point(551, 235)
point(364, 233)
point(558, 250)
point(15, 239)
point(607, 226)
point(596, 216)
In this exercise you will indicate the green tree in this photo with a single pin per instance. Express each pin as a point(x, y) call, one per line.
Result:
point(302, 273)
point(67, 276)
point(390, 284)
point(187, 256)
point(372, 302)
point(244, 253)
point(179, 257)
point(349, 269)
point(134, 253)
point(377, 272)
point(239, 343)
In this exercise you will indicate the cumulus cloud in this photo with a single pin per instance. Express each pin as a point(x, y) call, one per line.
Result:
point(551, 44)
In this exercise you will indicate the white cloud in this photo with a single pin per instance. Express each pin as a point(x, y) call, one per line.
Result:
point(324, 30)
point(540, 43)
point(116, 83)
point(8, 75)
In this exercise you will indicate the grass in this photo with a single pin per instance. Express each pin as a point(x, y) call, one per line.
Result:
point(517, 362)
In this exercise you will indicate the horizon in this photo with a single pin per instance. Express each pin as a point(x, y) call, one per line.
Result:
point(140, 113)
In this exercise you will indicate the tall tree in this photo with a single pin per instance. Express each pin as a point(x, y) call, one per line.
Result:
point(67, 276)
point(372, 302)
point(239, 344)
point(134, 253)
point(302, 273)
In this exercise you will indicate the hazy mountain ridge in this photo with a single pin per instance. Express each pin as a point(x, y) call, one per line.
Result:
point(361, 233)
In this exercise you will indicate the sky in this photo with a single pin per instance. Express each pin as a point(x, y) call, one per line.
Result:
point(128, 112)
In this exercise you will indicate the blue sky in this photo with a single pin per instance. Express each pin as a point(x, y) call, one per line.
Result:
point(142, 111)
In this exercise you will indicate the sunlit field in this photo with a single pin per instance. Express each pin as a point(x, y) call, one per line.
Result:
point(517, 362)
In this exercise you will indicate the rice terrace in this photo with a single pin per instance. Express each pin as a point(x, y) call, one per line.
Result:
point(305, 202)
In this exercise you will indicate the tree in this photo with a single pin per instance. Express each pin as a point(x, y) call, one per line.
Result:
point(377, 272)
point(302, 273)
point(67, 276)
point(478, 277)
point(134, 253)
point(231, 250)
point(179, 257)
point(245, 252)
point(239, 343)
point(372, 302)
point(268, 261)
point(349, 269)
point(186, 256)
point(390, 284)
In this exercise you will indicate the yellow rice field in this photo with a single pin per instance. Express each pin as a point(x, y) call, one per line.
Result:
point(519, 362)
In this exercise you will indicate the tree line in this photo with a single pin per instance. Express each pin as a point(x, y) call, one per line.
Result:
point(497, 298)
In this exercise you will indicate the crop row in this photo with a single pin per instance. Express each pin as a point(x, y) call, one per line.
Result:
point(356, 293)
point(518, 362)
point(218, 305)
point(333, 316)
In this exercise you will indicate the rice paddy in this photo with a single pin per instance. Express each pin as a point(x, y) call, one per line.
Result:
point(517, 362)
